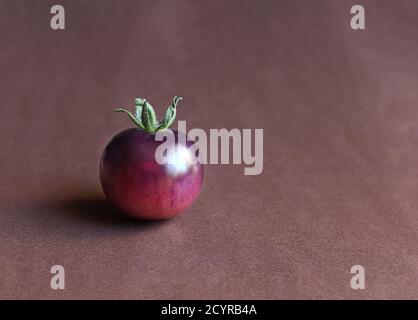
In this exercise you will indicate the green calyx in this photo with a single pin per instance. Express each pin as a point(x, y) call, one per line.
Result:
point(144, 116)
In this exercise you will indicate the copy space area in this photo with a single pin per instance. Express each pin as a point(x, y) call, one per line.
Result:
point(339, 187)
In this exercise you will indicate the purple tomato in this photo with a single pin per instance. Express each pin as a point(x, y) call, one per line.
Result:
point(135, 182)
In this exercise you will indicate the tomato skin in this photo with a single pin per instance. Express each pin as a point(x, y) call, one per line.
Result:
point(134, 182)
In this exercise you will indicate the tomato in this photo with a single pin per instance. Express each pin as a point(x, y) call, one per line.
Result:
point(135, 182)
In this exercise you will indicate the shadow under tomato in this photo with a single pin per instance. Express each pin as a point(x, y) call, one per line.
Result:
point(96, 209)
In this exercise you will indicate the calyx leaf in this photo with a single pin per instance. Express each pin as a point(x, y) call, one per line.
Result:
point(170, 114)
point(144, 116)
point(132, 117)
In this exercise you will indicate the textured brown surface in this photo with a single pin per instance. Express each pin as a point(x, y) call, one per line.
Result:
point(339, 110)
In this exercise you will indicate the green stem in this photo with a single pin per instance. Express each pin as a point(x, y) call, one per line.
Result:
point(145, 118)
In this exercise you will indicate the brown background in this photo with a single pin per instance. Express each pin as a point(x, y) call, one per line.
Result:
point(340, 118)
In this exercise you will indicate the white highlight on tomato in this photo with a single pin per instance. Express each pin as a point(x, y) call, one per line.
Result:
point(179, 160)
